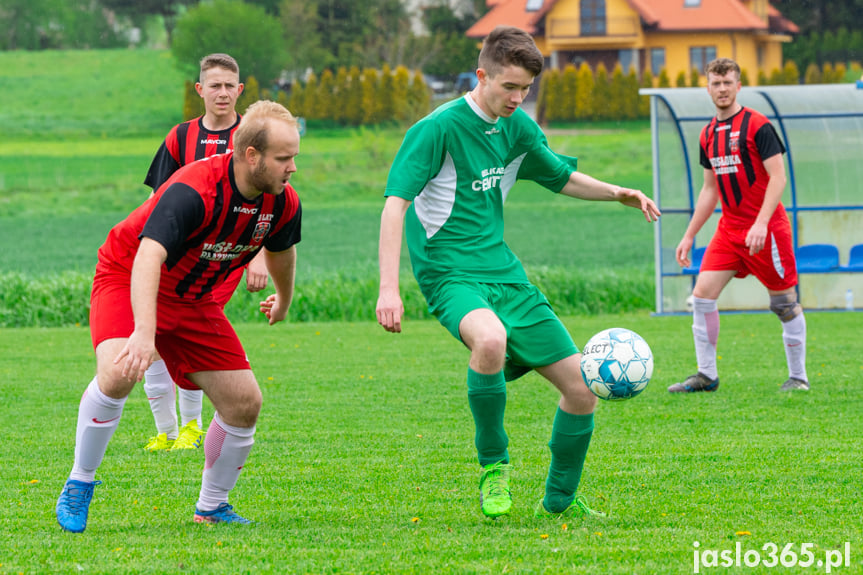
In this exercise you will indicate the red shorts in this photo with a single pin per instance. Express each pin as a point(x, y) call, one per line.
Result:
point(774, 265)
point(223, 292)
point(190, 336)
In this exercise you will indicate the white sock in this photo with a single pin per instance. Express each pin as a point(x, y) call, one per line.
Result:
point(225, 451)
point(159, 388)
point(98, 418)
point(705, 329)
point(191, 403)
point(794, 336)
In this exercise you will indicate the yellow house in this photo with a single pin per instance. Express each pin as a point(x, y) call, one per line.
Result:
point(677, 35)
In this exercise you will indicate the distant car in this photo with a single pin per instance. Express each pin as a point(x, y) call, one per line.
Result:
point(465, 82)
point(436, 85)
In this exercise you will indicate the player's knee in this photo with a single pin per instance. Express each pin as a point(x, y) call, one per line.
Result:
point(112, 382)
point(578, 398)
point(490, 346)
point(785, 306)
point(243, 411)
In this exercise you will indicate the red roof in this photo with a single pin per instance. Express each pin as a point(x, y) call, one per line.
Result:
point(665, 15)
point(509, 13)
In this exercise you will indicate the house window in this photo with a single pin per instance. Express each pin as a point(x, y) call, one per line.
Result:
point(592, 17)
point(692, 3)
point(700, 57)
point(625, 59)
point(657, 60)
point(534, 5)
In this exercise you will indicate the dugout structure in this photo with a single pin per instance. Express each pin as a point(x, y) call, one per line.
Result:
point(822, 129)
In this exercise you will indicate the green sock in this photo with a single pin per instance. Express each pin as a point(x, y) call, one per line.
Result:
point(486, 394)
point(570, 438)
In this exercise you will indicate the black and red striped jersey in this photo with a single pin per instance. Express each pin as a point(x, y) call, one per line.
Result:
point(207, 227)
point(735, 149)
point(186, 143)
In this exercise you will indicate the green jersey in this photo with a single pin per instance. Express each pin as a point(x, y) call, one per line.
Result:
point(457, 166)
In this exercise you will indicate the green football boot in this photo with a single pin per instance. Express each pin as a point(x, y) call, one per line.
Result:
point(494, 495)
point(578, 508)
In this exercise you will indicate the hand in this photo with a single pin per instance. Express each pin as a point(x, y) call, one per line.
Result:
point(139, 352)
point(682, 252)
point(256, 275)
point(390, 311)
point(274, 309)
point(637, 199)
point(756, 237)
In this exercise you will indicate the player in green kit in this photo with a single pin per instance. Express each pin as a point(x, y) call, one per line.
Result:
point(446, 187)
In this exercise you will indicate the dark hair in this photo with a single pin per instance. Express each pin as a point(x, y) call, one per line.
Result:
point(510, 46)
point(219, 61)
point(722, 66)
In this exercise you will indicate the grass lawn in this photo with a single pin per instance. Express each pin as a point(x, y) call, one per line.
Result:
point(364, 460)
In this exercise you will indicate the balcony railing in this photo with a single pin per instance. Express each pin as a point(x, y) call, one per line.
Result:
point(573, 28)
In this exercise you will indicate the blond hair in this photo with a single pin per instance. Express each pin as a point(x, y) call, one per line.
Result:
point(253, 130)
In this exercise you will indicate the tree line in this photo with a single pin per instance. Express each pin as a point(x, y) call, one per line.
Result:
point(302, 35)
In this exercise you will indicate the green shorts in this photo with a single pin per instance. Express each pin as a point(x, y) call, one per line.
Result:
point(535, 336)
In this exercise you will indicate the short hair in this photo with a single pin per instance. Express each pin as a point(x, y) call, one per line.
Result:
point(218, 61)
point(510, 46)
point(253, 130)
point(722, 66)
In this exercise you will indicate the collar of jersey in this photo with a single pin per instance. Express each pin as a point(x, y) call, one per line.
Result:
point(478, 111)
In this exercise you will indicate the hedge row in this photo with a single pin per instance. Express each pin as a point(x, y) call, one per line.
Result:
point(350, 97)
point(64, 299)
point(586, 94)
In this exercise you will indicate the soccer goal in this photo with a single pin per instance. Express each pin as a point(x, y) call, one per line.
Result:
point(822, 129)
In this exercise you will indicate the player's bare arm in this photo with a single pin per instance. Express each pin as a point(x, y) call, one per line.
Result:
point(282, 267)
point(256, 273)
point(704, 206)
point(586, 187)
point(390, 308)
point(757, 235)
point(140, 350)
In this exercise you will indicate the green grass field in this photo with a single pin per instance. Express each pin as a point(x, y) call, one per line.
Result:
point(364, 460)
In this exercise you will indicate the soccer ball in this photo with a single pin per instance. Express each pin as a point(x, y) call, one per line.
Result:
point(616, 364)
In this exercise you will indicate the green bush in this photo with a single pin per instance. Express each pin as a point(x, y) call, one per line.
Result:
point(49, 301)
point(419, 97)
point(601, 94)
point(664, 80)
point(251, 94)
point(790, 73)
point(193, 104)
point(568, 89)
point(240, 29)
point(644, 101)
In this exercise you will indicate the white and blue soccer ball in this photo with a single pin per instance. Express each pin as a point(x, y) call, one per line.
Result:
point(616, 364)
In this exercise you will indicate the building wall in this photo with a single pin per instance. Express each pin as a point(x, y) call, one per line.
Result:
point(561, 24)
